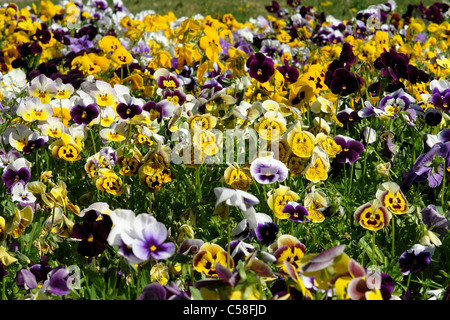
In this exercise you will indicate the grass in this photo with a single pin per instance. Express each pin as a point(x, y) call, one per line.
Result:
point(242, 10)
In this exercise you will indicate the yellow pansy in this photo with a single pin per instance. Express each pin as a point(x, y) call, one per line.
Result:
point(372, 215)
point(317, 170)
point(22, 219)
point(302, 142)
point(208, 255)
point(315, 202)
point(121, 56)
point(392, 198)
point(238, 178)
point(271, 126)
point(109, 181)
point(66, 148)
point(279, 198)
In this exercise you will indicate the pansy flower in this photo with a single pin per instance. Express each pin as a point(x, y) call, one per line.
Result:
point(297, 212)
point(109, 181)
point(21, 195)
point(208, 255)
point(433, 219)
point(290, 73)
point(82, 113)
point(238, 178)
point(163, 109)
point(372, 215)
point(260, 67)
point(93, 233)
point(116, 132)
point(233, 197)
point(317, 169)
point(266, 232)
point(19, 170)
point(34, 109)
point(129, 107)
point(66, 148)
point(396, 101)
point(415, 259)
point(103, 93)
point(271, 126)
point(42, 87)
point(278, 199)
point(8, 157)
point(150, 241)
point(302, 142)
point(288, 248)
point(392, 197)
point(351, 149)
point(166, 79)
point(267, 170)
point(21, 220)
point(63, 90)
point(316, 202)
point(440, 96)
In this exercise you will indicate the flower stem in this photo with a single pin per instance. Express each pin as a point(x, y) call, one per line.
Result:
point(393, 237)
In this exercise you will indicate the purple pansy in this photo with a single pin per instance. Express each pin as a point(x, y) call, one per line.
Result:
point(260, 67)
point(8, 157)
point(415, 259)
point(35, 141)
point(150, 241)
point(84, 114)
point(351, 149)
point(297, 212)
point(396, 101)
point(290, 73)
point(268, 170)
point(19, 170)
point(129, 107)
point(164, 108)
point(429, 166)
point(433, 219)
point(266, 232)
point(93, 233)
point(393, 65)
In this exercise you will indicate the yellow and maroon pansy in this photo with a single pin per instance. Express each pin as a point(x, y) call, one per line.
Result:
point(208, 255)
point(372, 215)
point(392, 197)
point(290, 249)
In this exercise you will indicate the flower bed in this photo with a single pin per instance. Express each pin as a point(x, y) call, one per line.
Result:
point(292, 156)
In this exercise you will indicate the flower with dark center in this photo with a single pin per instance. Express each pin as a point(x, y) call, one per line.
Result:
point(128, 111)
point(415, 259)
point(343, 82)
point(351, 149)
point(347, 116)
point(93, 233)
point(42, 34)
point(266, 232)
point(273, 8)
point(35, 141)
point(393, 65)
point(433, 116)
point(297, 212)
point(84, 114)
point(260, 67)
point(19, 170)
point(268, 171)
point(290, 73)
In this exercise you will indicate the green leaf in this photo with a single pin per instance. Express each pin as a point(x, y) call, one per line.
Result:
point(196, 293)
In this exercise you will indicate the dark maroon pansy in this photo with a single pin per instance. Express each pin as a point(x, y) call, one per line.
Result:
point(260, 67)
